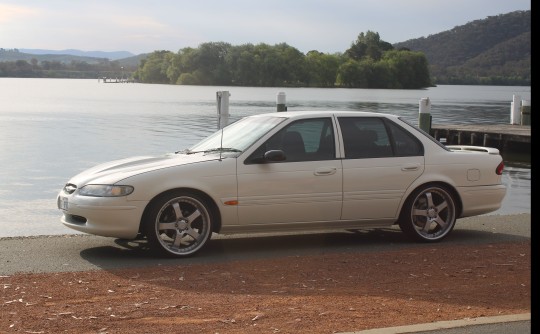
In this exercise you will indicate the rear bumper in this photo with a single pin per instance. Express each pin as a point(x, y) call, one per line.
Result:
point(481, 199)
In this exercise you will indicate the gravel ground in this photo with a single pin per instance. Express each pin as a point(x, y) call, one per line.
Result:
point(313, 283)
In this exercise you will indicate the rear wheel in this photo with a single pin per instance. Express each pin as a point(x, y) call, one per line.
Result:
point(429, 214)
point(178, 224)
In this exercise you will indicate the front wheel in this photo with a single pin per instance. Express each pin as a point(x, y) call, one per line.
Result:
point(429, 214)
point(178, 224)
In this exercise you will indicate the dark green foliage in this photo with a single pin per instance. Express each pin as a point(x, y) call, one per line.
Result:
point(153, 69)
point(282, 65)
point(368, 45)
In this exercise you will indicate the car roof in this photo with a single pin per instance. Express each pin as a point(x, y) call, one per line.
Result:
point(309, 113)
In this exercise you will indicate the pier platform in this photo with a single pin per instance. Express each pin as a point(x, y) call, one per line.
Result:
point(115, 80)
point(507, 138)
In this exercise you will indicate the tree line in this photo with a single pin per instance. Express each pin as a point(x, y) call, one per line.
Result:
point(58, 69)
point(369, 63)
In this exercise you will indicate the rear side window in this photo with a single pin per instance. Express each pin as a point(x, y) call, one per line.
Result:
point(365, 137)
point(375, 137)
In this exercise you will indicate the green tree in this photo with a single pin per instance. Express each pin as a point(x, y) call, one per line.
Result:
point(154, 67)
point(348, 74)
point(242, 63)
point(321, 69)
point(368, 45)
point(409, 68)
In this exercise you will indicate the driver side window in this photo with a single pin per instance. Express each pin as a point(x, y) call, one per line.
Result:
point(303, 140)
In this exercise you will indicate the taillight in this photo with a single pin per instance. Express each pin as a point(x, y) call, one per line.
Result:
point(500, 168)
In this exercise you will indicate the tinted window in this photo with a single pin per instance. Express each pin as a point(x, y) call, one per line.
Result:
point(405, 144)
point(303, 140)
point(365, 137)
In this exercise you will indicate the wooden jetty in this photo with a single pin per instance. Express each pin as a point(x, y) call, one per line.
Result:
point(505, 137)
point(115, 80)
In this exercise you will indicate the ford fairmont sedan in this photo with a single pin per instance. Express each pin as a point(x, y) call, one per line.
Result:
point(288, 171)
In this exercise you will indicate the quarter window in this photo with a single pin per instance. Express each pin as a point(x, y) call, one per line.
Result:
point(405, 144)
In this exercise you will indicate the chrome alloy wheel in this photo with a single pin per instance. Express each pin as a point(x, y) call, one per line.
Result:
point(429, 214)
point(178, 225)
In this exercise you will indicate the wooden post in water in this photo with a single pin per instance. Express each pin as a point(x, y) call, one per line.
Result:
point(424, 116)
point(514, 110)
point(525, 112)
point(222, 99)
point(280, 102)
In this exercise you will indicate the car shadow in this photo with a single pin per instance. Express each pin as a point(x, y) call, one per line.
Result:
point(120, 254)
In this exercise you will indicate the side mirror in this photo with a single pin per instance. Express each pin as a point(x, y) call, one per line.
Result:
point(274, 155)
point(269, 156)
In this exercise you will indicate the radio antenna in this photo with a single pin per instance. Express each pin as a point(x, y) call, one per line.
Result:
point(221, 145)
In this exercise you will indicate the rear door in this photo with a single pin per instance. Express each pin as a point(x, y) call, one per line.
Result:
point(381, 160)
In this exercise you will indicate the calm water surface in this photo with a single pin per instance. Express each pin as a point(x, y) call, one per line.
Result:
point(51, 129)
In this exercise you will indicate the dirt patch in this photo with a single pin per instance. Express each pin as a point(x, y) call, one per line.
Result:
point(326, 293)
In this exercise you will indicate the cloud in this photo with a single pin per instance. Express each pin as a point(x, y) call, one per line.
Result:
point(141, 26)
point(13, 13)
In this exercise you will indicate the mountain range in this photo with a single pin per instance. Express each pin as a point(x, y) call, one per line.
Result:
point(112, 55)
point(498, 46)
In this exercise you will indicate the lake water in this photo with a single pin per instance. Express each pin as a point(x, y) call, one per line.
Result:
point(51, 129)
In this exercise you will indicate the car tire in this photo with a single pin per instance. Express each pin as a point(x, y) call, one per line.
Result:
point(429, 214)
point(177, 224)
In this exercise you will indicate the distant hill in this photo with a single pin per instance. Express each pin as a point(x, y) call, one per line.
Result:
point(90, 57)
point(15, 55)
point(480, 52)
point(133, 61)
point(14, 63)
point(112, 55)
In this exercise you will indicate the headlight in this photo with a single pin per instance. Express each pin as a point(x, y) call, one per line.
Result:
point(105, 190)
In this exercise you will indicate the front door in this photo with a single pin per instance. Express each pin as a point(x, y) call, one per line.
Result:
point(305, 187)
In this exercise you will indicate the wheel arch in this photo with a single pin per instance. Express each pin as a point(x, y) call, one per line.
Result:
point(216, 214)
point(451, 189)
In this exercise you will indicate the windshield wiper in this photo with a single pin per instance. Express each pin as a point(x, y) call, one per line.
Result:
point(211, 150)
point(222, 149)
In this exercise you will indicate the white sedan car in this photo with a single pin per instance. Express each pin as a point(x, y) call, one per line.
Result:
point(288, 171)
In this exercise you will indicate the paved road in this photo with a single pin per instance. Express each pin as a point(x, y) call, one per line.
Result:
point(81, 252)
point(516, 324)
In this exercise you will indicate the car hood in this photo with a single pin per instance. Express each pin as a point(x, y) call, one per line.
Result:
point(115, 171)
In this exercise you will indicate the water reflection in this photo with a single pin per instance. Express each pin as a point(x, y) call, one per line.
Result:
point(518, 190)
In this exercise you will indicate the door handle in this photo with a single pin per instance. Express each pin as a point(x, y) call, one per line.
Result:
point(408, 168)
point(325, 171)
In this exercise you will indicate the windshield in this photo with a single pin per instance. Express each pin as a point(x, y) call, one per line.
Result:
point(237, 136)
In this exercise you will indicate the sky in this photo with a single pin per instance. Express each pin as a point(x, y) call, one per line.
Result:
point(142, 26)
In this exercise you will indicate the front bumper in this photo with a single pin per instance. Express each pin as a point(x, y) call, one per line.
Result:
point(105, 216)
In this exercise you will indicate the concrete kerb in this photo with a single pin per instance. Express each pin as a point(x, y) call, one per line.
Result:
point(440, 325)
